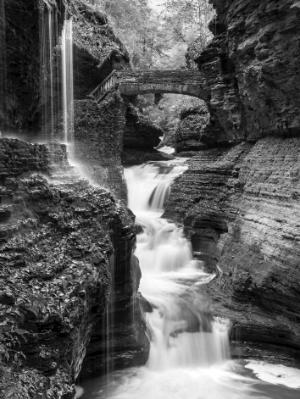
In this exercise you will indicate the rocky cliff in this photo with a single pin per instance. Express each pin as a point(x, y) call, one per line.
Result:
point(141, 136)
point(65, 249)
point(252, 69)
point(30, 39)
point(240, 207)
point(69, 302)
point(19, 72)
point(191, 133)
point(97, 50)
point(99, 132)
point(239, 200)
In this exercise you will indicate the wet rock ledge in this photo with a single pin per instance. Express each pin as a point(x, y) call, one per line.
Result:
point(61, 241)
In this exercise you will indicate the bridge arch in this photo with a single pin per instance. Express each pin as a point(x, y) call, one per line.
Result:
point(131, 83)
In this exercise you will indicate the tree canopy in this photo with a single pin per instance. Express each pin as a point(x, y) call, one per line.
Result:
point(159, 39)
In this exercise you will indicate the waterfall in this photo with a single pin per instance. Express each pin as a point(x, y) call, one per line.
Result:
point(159, 195)
point(109, 325)
point(183, 332)
point(49, 71)
point(3, 71)
point(149, 185)
point(56, 79)
point(189, 347)
point(189, 352)
point(68, 85)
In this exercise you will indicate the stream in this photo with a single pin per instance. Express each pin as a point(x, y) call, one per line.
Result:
point(190, 349)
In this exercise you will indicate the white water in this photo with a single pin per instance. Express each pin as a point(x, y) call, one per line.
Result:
point(183, 333)
point(277, 374)
point(48, 39)
point(189, 353)
point(51, 72)
point(68, 81)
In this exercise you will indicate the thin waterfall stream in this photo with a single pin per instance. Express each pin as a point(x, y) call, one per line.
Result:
point(68, 81)
point(189, 353)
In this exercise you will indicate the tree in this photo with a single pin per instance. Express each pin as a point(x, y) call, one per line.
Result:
point(158, 40)
point(134, 23)
point(188, 19)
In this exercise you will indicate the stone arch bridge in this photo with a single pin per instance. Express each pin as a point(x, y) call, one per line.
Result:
point(132, 83)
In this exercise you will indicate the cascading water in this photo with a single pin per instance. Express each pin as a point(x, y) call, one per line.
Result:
point(49, 71)
point(183, 332)
point(3, 71)
point(68, 81)
point(189, 353)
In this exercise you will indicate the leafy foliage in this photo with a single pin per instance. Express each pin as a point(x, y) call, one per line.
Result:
point(188, 19)
point(134, 23)
point(167, 113)
point(159, 39)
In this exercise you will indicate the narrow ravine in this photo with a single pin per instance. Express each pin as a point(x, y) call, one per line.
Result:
point(190, 351)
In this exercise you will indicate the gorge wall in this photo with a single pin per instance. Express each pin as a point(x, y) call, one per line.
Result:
point(251, 67)
point(65, 247)
point(19, 21)
point(239, 200)
point(99, 133)
point(106, 131)
point(30, 27)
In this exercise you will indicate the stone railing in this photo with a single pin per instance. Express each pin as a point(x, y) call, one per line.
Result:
point(106, 85)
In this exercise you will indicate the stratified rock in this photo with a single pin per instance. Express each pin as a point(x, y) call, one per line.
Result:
point(141, 137)
point(239, 201)
point(138, 157)
point(20, 64)
point(65, 254)
point(99, 141)
point(240, 207)
point(27, 31)
point(252, 69)
point(191, 133)
point(140, 133)
point(97, 50)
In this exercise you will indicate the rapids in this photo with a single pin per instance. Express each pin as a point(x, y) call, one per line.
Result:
point(183, 333)
point(190, 351)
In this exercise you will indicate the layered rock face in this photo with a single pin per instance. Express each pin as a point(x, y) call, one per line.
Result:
point(252, 69)
point(110, 134)
point(99, 141)
point(19, 65)
point(30, 61)
point(139, 133)
point(65, 247)
point(239, 200)
point(191, 131)
point(141, 137)
point(69, 302)
point(240, 207)
point(97, 50)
